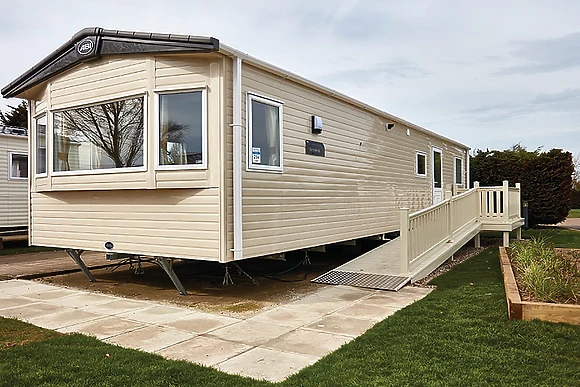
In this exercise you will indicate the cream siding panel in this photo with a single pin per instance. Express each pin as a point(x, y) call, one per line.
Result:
point(172, 223)
point(100, 181)
point(180, 71)
point(355, 191)
point(13, 192)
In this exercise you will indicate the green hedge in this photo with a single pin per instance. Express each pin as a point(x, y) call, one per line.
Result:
point(546, 179)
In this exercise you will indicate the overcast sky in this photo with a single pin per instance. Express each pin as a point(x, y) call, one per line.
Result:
point(486, 73)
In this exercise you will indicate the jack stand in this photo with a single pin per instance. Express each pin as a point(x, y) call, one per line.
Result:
point(306, 261)
point(167, 265)
point(136, 270)
point(76, 256)
point(227, 278)
point(240, 271)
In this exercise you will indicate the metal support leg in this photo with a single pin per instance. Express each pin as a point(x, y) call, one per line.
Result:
point(227, 277)
point(166, 264)
point(506, 239)
point(477, 241)
point(76, 256)
point(519, 233)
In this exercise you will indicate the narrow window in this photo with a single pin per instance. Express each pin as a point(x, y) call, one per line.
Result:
point(458, 171)
point(264, 146)
point(104, 136)
point(18, 165)
point(421, 164)
point(182, 132)
point(437, 170)
point(41, 145)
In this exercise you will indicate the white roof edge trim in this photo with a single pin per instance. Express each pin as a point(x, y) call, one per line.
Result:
point(230, 51)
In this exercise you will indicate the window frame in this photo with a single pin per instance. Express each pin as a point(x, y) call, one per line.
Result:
point(46, 134)
point(251, 167)
point(19, 153)
point(459, 184)
point(417, 154)
point(204, 128)
point(142, 168)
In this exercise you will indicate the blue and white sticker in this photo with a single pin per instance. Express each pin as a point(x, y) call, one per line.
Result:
point(256, 155)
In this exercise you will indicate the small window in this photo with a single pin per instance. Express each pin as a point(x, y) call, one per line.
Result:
point(182, 129)
point(18, 165)
point(41, 145)
point(458, 171)
point(99, 137)
point(421, 164)
point(264, 145)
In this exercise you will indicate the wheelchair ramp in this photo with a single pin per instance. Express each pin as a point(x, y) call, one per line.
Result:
point(376, 269)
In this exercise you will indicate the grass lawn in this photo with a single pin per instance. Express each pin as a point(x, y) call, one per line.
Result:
point(574, 213)
point(457, 335)
point(558, 236)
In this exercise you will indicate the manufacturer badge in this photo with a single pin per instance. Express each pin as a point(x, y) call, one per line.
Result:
point(85, 47)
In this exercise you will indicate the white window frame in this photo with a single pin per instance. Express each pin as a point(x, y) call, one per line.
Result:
point(460, 184)
point(417, 174)
point(272, 102)
point(142, 168)
point(19, 153)
point(35, 137)
point(156, 94)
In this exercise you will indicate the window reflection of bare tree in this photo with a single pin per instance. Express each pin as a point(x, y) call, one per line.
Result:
point(116, 128)
point(172, 143)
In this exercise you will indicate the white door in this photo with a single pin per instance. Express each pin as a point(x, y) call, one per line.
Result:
point(437, 169)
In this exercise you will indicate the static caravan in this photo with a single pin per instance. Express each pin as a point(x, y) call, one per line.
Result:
point(176, 146)
point(13, 179)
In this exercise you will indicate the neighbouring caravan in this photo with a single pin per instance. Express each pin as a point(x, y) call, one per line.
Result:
point(13, 179)
point(175, 146)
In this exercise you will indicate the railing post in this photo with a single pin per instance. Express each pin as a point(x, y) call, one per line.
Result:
point(519, 188)
point(478, 196)
point(506, 202)
point(404, 259)
point(448, 196)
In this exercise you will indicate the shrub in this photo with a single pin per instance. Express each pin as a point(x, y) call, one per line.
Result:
point(545, 177)
point(547, 275)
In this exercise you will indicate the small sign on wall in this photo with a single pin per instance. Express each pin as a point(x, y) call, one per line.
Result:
point(315, 148)
point(256, 155)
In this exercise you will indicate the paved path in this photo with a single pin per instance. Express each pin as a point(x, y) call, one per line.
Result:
point(271, 345)
point(571, 223)
point(46, 263)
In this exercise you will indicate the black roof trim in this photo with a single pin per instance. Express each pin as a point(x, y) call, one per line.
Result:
point(94, 42)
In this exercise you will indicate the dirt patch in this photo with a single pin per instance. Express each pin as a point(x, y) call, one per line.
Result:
point(277, 281)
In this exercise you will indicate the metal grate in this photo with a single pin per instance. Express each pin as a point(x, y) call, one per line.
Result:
point(363, 280)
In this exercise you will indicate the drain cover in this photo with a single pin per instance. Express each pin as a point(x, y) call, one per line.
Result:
point(363, 280)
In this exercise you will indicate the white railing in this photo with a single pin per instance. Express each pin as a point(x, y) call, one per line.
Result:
point(427, 229)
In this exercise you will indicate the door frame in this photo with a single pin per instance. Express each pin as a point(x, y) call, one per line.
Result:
point(437, 193)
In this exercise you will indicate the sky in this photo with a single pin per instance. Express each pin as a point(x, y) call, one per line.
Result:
point(489, 74)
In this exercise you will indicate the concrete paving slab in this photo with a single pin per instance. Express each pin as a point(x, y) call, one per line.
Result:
point(367, 311)
point(204, 350)
point(156, 314)
point(344, 325)
point(29, 311)
point(10, 301)
point(285, 316)
point(10, 284)
point(199, 322)
point(150, 339)
point(24, 287)
point(316, 304)
point(250, 332)
point(346, 293)
point(63, 317)
point(116, 306)
point(415, 291)
point(103, 328)
point(391, 300)
point(51, 294)
point(81, 299)
point(308, 342)
point(267, 364)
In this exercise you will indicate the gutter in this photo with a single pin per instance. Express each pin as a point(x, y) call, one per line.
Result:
point(237, 125)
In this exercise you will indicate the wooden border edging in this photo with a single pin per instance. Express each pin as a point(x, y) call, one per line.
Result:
point(528, 310)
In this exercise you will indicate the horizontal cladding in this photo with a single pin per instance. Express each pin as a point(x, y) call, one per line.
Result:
point(173, 223)
point(176, 71)
point(13, 192)
point(356, 190)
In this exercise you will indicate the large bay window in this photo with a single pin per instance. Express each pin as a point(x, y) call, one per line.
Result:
point(182, 129)
point(264, 135)
point(104, 136)
point(41, 145)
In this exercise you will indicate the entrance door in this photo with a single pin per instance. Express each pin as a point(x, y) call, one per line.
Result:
point(437, 168)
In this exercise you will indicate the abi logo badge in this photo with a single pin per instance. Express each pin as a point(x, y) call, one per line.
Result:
point(85, 47)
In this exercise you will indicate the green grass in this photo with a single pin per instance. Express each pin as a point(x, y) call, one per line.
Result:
point(574, 213)
point(558, 236)
point(457, 335)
